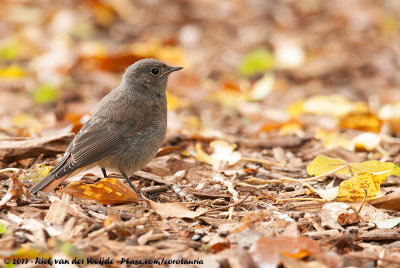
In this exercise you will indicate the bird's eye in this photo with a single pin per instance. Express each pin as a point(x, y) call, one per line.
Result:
point(155, 71)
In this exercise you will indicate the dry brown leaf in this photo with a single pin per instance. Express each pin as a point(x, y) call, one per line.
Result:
point(266, 251)
point(390, 201)
point(174, 210)
point(14, 191)
point(107, 191)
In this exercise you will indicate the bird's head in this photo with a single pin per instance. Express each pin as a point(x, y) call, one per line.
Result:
point(148, 74)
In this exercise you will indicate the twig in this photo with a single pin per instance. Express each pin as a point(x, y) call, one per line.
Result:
point(301, 199)
point(228, 206)
point(9, 169)
point(231, 189)
point(363, 202)
point(283, 180)
point(324, 175)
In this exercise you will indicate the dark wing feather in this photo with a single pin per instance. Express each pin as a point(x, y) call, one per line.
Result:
point(96, 140)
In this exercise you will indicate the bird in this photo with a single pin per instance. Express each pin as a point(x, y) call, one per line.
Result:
point(125, 131)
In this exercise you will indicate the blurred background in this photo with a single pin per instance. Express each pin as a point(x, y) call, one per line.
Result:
point(252, 67)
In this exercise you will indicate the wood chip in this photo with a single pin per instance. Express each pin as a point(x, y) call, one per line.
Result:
point(58, 211)
point(48, 146)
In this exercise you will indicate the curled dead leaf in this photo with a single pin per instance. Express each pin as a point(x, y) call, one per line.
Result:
point(14, 191)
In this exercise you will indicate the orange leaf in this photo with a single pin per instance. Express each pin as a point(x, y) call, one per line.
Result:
point(171, 149)
point(107, 191)
point(361, 121)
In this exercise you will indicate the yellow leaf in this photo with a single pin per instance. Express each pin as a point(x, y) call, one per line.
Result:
point(37, 173)
point(323, 164)
point(172, 102)
point(227, 98)
point(353, 190)
point(333, 139)
point(376, 167)
point(291, 128)
point(154, 48)
point(11, 72)
point(296, 109)
point(203, 156)
point(334, 105)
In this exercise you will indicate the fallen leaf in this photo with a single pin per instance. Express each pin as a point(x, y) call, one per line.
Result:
point(155, 48)
point(389, 111)
point(262, 87)
point(361, 121)
point(171, 149)
point(328, 194)
point(333, 139)
point(107, 191)
point(11, 72)
point(266, 251)
point(14, 191)
point(46, 93)
point(257, 61)
point(323, 164)
point(353, 189)
point(218, 247)
point(347, 218)
point(37, 173)
point(333, 105)
point(330, 212)
point(390, 201)
point(174, 210)
point(222, 152)
point(286, 128)
point(387, 223)
point(366, 141)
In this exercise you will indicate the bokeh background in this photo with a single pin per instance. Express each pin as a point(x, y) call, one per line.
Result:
point(269, 87)
point(245, 61)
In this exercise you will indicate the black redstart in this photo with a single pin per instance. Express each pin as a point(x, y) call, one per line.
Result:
point(126, 129)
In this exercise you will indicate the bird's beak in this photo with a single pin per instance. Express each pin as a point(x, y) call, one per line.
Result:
point(173, 69)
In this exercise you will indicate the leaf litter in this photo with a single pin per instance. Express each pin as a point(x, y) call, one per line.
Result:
point(282, 146)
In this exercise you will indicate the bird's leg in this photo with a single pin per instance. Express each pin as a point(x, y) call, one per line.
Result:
point(104, 172)
point(130, 184)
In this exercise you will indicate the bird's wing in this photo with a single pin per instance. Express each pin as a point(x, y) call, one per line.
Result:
point(96, 140)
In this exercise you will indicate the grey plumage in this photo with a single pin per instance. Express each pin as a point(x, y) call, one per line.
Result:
point(126, 129)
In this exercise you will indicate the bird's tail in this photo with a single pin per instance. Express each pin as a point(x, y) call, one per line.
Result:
point(47, 184)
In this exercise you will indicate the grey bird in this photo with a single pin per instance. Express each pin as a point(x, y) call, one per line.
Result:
point(126, 129)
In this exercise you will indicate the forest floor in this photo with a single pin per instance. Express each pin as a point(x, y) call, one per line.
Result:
point(282, 145)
